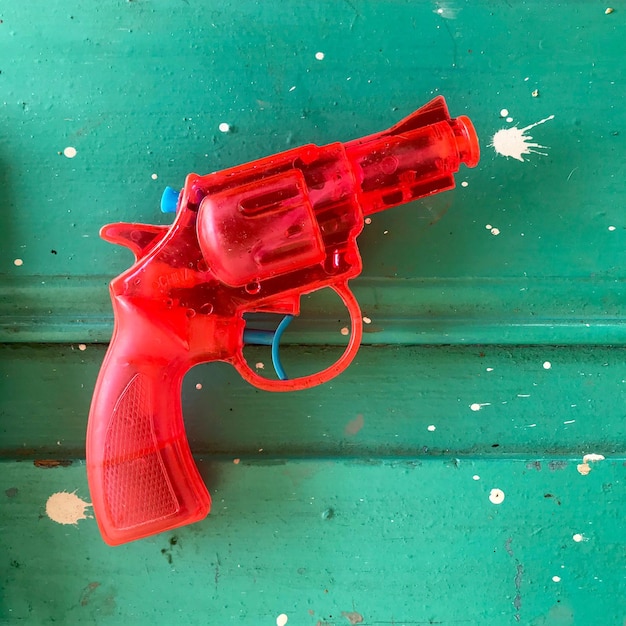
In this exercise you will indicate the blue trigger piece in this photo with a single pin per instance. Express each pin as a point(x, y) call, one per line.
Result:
point(278, 366)
point(270, 338)
point(169, 200)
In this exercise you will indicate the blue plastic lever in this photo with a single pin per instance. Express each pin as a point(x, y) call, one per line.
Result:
point(169, 200)
point(270, 338)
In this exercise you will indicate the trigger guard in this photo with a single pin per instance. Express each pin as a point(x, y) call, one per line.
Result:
point(306, 382)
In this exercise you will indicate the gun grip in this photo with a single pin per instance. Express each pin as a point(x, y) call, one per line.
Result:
point(142, 477)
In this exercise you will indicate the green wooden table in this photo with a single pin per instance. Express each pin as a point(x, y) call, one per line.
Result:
point(442, 478)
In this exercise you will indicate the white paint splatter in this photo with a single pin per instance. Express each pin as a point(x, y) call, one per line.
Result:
point(476, 477)
point(70, 152)
point(198, 386)
point(366, 320)
point(569, 422)
point(490, 369)
point(611, 228)
point(514, 142)
point(496, 496)
point(18, 262)
point(556, 579)
point(82, 347)
point(66, 508)
point(509, 119)
point(431, 428)
point(292, 88)
point(578, 537)
point(224, 127)
point(488, 226)
point(282, 620)
point(368, 220)
point(478, 406)
point(464, 184)
point(345, 331)
point(547, 365)
point(504, 113)
point(319, 56)
point(584, 468)
point(260, 365)
point(495, 232)
point(154, 176)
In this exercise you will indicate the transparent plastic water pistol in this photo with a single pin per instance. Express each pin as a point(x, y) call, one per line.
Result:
point(253, 238)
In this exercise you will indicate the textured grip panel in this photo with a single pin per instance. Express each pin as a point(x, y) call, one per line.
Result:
point(136, 483)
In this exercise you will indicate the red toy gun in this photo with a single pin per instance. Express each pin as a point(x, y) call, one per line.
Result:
point(253, 238)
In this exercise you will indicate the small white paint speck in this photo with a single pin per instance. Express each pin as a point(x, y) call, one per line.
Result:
point(514, 142)
point(490, 369)
point(198, 386)
point(464, 184)
point(608, 11)
point(260, 366)
point(578, 537)
point(292, 88)
point(488, 226)
point(385, 232)
point(319, 56)
point(569, 422)
point(368, 220)
point(281, 620)
point(611, 228)
point(154, 176)
point(504, 113)
point(367, 320)
point(556, 579)
point(547, 365)
point(70, 152)
point(345, 331)
point(66, 508)
point(496, 496)
point(82, 347)
point(476, 477)
point(224, 127)
point(509, 119)
point(431, 428)
point(477, 406)
point(18, 262)
point(236, 461)
point(495, 231)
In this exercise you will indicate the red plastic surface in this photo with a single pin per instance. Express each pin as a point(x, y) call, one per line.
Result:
point(252, 238)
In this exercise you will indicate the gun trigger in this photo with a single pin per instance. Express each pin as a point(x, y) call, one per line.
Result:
point(139, 238)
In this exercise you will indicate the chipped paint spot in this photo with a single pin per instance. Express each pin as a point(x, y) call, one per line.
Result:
point(353, 617)
point(282, 620)
point(66, 508)
point(355, 425)
point(496, 496)
point(584, 468)
point(514, 142)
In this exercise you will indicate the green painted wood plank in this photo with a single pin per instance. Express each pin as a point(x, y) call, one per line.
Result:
point(383, 405)
point(139, 88)
point(330, 542)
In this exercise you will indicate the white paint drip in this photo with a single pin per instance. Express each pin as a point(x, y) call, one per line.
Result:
point(584, 468)
point(514, 142)
point(496, 496)
point(66, 508)
point(282, 620)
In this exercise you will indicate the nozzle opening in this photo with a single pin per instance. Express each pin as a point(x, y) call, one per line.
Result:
point(466, 140)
